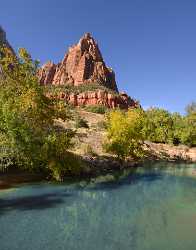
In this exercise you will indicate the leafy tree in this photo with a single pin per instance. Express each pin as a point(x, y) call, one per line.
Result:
point(177, 128)
point(157, 125)
point(163, 127)
point(188, 136)
point(27, 115)
point(124, 133)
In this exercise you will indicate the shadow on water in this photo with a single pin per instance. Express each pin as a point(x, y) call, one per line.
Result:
point(35, 202)
point(127, 179)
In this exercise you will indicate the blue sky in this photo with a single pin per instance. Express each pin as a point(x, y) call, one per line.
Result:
point(151, 44)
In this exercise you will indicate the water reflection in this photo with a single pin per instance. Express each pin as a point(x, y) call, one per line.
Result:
point(146, 208)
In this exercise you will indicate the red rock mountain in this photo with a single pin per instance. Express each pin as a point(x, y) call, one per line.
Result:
point(82, 64)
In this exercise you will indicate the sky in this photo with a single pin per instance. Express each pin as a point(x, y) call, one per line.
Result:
point(150, 44)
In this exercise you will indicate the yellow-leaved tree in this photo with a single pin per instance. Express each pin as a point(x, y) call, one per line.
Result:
point(28, 136)
point(124, 133)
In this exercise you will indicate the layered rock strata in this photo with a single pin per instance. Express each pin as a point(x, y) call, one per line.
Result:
point(84, 64)
point(99, 97)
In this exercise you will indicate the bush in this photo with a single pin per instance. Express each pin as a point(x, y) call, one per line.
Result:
point(124, 134)
point(80, 122)
point(157, 125)
point(99, 109)
point(69, 88)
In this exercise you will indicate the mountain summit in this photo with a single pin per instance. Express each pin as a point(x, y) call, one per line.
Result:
point(82, 64)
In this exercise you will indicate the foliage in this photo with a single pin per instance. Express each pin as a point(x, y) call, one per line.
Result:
point(99, 109)
point(177, 128)
point(71, 89)
point(188, 136)
point(157, 125)
point(27, 115)
point(124, 133)
point(164, 127)
point(80, 122)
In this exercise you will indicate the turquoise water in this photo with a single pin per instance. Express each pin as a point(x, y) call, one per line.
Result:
point(148, 209)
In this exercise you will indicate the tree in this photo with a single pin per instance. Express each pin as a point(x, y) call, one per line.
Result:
point(124, 133)
point(27, 116)
point(189, 133)
point(177, 128)
point(163, 127)
point(157, 125)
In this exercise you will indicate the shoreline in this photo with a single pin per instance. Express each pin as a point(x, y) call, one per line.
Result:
point(13, 179)
point(96, 166)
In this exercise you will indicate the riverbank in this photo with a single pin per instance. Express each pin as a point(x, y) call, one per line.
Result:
point(102, 165)
point(14, 177)
point(88, 148)
point(160, 151)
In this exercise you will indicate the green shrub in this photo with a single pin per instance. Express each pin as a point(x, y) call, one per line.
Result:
point(80, 122)
point(99, 109)
point(68, 88)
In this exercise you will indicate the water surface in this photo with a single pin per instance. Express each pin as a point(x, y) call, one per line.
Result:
point(151, 208)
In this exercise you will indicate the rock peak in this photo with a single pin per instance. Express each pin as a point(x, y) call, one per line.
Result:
point(87, 35)
point(82, 64)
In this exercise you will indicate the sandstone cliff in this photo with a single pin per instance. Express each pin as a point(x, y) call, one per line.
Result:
point(82, 64)
point(97, 97)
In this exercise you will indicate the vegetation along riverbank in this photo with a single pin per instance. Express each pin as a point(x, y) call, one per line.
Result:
point(49, 133)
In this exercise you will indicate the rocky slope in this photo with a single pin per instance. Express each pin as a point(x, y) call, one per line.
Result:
point(94, 135)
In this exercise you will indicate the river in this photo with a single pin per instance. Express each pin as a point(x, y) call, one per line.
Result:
point(149, 208)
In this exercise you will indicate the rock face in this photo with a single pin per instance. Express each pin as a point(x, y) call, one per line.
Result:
point(82, 64)
point(3, 40)
point(99, 97)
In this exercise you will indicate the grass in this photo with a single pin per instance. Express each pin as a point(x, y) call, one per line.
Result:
point(99, 109)
point(71, 89)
